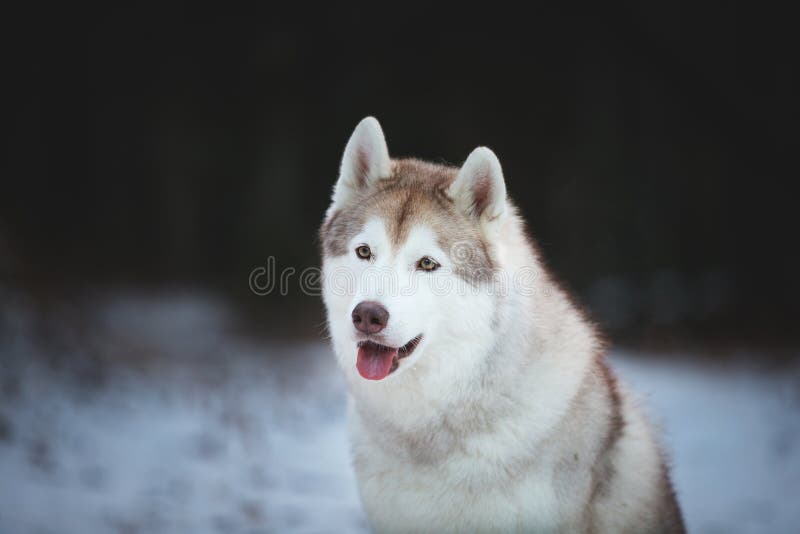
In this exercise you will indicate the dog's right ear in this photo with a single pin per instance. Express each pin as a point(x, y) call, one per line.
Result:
point(365, 160)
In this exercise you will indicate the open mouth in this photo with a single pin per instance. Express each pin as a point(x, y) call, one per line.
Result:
point(376, 361)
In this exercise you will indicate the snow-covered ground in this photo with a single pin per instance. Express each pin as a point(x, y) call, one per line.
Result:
point(201, 429)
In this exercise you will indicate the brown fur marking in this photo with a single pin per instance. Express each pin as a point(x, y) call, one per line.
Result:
point(414, 194)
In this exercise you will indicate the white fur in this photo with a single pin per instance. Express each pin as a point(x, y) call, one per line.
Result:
point(442, 376)
point(472, 432)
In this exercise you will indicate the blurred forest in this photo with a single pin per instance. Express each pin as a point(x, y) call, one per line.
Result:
point(651, 147)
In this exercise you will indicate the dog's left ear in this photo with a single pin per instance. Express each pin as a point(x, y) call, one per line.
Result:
point(365, 160)
point(479, 190)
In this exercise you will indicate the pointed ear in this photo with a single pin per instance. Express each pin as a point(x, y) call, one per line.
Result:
point(479, 190)
point(365, 160)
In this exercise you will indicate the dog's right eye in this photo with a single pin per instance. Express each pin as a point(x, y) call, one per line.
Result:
point(363, 252)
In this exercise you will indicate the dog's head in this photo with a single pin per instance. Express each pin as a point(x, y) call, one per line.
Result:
point(409, 254)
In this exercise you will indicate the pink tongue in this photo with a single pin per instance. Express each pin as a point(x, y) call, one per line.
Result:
point(374, 362)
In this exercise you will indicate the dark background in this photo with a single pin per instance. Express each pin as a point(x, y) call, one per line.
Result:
point(652, 149)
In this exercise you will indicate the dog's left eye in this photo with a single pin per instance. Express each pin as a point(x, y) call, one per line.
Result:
point(427, 264)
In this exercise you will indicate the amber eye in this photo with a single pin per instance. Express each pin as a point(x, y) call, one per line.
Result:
point(427, 264)
point(363, 252)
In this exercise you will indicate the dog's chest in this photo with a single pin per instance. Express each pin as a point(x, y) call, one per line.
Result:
point(457, 493)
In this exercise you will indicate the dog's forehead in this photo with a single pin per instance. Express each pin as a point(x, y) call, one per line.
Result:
point(412, 203)
point(417, 235)
point(403, 209)
point(415, 195)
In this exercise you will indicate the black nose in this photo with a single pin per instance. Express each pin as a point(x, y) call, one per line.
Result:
point(370, 317)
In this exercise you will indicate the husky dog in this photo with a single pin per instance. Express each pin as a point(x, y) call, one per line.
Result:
point(481, 400)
